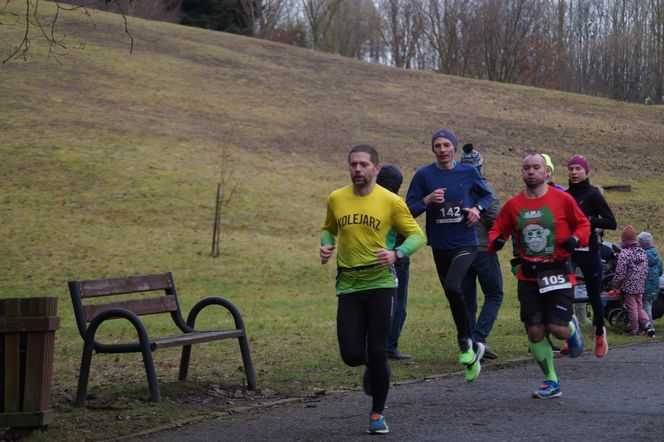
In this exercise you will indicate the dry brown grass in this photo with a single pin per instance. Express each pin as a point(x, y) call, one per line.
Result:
point(109, 164)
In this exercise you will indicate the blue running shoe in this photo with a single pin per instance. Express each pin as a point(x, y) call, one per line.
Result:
point(548, 389)
point(377, 424)
point(366, 382)
point(575, 341)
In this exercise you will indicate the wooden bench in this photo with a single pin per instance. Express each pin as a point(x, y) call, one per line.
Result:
point(90, 316)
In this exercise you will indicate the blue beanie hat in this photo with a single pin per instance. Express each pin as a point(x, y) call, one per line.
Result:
point(445, 133)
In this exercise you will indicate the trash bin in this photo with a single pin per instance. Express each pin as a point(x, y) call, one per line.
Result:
point(27, 338)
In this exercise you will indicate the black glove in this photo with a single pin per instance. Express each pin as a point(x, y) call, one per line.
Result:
point(498, 243)
point(515, 263)
point(570, 244)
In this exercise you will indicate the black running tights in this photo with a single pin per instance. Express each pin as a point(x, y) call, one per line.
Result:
point(452, 266)
point(363, 327)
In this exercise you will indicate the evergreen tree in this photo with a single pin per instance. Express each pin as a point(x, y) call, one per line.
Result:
point(219, 15)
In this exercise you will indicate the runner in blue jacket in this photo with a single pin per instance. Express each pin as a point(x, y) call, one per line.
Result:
point(453, 195)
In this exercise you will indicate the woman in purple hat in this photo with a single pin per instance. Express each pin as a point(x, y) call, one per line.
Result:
point(594, 206)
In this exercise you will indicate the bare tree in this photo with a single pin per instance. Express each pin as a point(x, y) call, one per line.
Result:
point(319, 15)
point(656, 50)
point(225, 190)
point(443, 26)
point(508, 27)
point(263, 16)
point(402, 30)
point(355, 31)
point(559, 61)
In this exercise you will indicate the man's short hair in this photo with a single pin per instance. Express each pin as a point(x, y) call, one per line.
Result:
point(532, 153)
point(375, 159)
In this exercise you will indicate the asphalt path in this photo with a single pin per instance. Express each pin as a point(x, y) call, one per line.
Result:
point(616, 398)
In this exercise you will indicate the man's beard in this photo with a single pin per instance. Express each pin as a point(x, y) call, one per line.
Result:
point(533, 185)
point(360, 181)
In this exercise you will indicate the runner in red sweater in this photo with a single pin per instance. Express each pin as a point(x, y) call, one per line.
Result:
point(549, 225)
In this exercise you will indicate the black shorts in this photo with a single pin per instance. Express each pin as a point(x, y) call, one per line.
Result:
point(553, 307)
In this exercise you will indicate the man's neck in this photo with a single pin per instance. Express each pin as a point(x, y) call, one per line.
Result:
point(536, 192)
point(445, 166)
point(364, 190)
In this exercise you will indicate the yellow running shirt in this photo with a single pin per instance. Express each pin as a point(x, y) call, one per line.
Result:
point(364, 224)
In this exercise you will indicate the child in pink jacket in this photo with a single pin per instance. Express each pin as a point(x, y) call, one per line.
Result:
point(630, 277)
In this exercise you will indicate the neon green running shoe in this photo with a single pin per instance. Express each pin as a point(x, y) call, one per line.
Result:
point(473, 369)
point(466, 356)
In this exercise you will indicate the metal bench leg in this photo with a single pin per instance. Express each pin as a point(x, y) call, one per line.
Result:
point(83, 374)
point(155, 394)
point(184, 362)
point(246, 360)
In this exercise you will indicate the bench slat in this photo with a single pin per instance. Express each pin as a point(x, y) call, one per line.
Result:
point(146, 306)
point(195, 337)
point(117, 286)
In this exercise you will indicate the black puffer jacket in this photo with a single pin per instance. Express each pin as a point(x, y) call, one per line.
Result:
point(594, 206)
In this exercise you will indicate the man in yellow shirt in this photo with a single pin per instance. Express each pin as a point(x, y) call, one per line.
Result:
point(363, 218)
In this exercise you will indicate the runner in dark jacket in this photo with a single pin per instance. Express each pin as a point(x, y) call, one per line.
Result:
point(595, 207)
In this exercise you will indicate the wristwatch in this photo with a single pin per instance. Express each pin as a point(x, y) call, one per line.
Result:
point(480, 208)
point(399, 254)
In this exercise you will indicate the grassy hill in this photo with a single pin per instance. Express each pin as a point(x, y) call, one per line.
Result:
point(109, 163)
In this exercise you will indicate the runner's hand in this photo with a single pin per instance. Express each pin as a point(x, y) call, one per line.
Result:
point(498, 243)
point(386, 257)
point(570, 244)
point(435, 197)
point(472, 215)
point(515, 262)
point(326, 253)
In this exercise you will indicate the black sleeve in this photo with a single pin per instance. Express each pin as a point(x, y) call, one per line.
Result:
point(515, 245)
point(603, 216)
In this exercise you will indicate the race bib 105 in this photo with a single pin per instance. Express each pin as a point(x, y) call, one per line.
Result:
point(553, 280)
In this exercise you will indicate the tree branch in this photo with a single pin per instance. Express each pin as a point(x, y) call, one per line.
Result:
point(48, 30)
point(23, 47)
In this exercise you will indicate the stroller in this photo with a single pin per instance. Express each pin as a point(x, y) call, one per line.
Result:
point(658, 304)
point(614, 310)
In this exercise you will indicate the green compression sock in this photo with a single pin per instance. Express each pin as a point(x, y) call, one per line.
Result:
point(543, 355)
